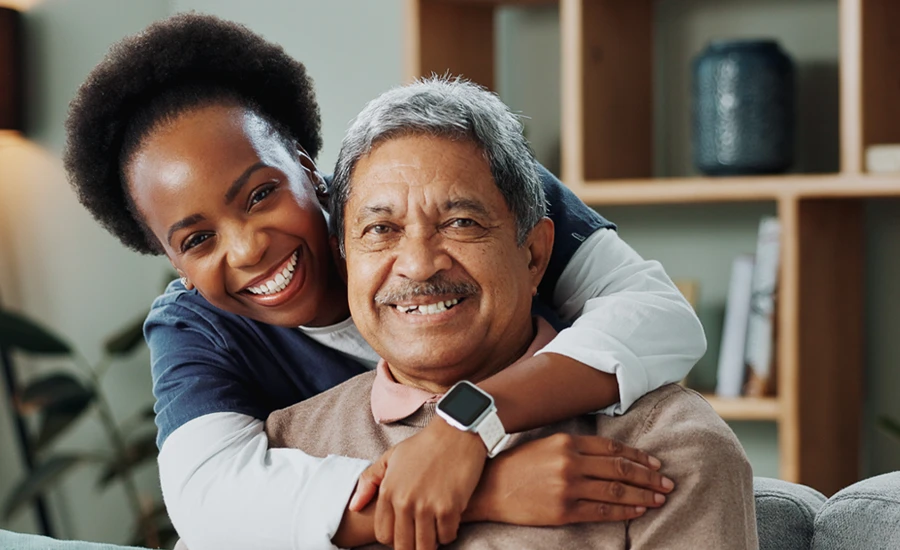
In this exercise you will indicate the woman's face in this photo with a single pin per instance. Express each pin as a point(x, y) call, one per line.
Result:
point(237, 214)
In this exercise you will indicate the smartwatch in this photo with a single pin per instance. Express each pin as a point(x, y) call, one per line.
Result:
point(471, 409)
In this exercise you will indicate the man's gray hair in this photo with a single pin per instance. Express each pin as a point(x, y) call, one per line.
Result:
point(450, 108)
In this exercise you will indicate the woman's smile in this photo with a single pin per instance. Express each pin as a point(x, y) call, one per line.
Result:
point(273, 290)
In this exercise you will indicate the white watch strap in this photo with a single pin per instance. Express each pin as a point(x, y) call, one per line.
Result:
point(492, 433)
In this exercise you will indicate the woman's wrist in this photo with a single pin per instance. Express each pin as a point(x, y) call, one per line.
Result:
point(548, 388)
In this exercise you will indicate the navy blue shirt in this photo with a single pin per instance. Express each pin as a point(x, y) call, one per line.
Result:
point(205, 360)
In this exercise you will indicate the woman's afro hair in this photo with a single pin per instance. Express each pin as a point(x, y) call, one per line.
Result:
point(177, 63)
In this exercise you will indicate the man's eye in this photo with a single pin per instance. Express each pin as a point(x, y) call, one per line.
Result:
point(462, 223)
point(261, 193)
point(194, 240)
point(378, 229)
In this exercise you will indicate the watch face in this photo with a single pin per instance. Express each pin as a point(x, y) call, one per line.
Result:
point(464, 404)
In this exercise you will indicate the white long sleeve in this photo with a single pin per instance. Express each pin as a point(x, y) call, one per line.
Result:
point(630, 319)
point(286, 499)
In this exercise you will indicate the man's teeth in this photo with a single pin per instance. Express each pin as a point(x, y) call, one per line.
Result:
point(428, 309)
point(280, 280)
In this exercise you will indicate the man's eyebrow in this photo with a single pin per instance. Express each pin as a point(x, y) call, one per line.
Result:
point(469, 205)
point(375, 210)
point(241, 181)
point(186, 222)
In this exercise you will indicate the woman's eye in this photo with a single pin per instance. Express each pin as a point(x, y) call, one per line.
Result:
point(260, 194)
point(194, 240)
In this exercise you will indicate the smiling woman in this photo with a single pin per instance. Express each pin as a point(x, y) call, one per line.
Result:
point(234, 209)
point(196, 139)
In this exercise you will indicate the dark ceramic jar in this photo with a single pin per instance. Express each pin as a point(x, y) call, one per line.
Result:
point(743, 108)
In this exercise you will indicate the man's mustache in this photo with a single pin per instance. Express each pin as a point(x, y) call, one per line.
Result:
point(435, 286)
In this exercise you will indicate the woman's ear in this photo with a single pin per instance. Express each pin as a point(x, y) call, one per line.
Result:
point(315, 177)
point(184, 279)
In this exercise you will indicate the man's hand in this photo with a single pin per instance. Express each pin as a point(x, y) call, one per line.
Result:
point(425, 485)
point(565, 479)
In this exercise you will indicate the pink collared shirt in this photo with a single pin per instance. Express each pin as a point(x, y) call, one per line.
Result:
point(392, 401)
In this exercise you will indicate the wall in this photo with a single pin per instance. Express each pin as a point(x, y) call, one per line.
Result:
point(55, 262)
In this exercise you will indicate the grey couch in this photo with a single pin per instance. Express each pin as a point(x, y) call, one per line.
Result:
point(864, 516)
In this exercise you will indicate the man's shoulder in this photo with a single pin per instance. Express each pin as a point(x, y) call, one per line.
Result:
point(347, 404)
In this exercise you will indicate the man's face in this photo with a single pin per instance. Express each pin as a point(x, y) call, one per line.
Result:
point(437, 282)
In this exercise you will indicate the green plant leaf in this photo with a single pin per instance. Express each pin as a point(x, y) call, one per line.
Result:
point(137, 452)
point(17, 331)
point(51, 390)
point(890, 426)
point(60, 399)
point(128, 339)
point(42, 478)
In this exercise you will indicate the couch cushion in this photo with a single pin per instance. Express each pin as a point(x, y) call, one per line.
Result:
point(785, 513)
point(864, 515)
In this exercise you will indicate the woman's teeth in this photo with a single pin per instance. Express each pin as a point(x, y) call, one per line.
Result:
point(278, 283)
point(428, 309)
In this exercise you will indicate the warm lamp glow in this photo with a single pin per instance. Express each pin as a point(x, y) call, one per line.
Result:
point(11, 115)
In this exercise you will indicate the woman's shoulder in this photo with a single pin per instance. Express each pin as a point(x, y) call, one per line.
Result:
point(191, 316)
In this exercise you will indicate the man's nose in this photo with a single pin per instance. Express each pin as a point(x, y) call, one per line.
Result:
point(246, 247)
point(419, 257)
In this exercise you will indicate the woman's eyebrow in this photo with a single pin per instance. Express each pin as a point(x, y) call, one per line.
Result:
point(181, 224)
point(241, 181)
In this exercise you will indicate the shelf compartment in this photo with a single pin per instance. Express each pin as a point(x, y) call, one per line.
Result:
point(746, 408)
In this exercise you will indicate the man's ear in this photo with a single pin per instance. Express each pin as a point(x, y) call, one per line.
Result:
point(540, 246)
point(339, 260)
point(315, 177)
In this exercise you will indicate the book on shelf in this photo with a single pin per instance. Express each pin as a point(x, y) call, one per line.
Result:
point(759, 352)
point(732, 366)
point(883, 158)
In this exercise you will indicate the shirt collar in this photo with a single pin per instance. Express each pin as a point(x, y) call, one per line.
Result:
point(392, 401)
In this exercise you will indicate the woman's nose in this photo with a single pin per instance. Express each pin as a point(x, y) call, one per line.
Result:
point(246, 247)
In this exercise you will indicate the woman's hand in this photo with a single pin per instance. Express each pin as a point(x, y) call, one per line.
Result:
point(425, 485)
point(565, 479)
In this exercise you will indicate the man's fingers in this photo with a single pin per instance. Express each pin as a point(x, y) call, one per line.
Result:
point(586, 511)
point(616, 492)
point(603, 446)
point(624, 470)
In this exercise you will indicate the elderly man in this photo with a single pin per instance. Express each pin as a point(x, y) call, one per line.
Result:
point(439, 213)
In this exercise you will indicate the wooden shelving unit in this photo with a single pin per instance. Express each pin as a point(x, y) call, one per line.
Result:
point(606, 153)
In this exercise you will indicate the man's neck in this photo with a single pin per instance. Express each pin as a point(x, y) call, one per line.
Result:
point(439, 381)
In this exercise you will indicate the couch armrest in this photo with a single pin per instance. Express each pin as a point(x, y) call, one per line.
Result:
point(864, 515)
point(785, 513)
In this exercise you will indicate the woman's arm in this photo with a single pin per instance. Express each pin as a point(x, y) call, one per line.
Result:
point(632, 327)
point(224, 488)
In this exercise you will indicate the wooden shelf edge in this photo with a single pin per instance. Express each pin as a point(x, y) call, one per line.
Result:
point(746, 408)
point(736, 189)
